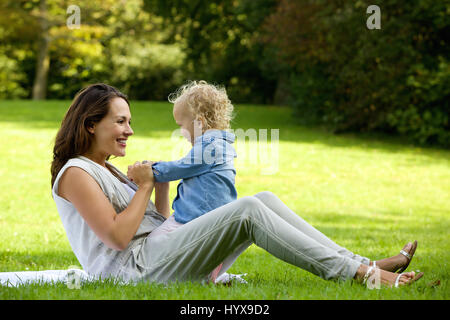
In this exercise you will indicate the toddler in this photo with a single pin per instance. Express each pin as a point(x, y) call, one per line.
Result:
point(203, 112)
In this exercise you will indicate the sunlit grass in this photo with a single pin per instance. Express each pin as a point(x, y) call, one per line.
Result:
point(369, 194)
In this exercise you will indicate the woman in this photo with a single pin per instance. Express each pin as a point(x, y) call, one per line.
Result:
point(115, 230)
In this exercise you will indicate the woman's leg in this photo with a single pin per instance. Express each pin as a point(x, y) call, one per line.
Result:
point(170, 225)
point(277, 206)
point(193, 250)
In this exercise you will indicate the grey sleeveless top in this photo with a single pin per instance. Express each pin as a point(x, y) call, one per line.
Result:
point(94, 256)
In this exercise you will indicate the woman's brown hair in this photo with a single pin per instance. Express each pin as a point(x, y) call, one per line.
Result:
point(89, 106)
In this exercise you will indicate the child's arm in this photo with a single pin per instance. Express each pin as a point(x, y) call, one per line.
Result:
point(162, 201)
point(193, 164)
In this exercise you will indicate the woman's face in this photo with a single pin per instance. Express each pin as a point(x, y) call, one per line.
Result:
point(112, 132)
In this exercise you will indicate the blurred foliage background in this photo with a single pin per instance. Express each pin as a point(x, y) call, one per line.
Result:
point(316, 56)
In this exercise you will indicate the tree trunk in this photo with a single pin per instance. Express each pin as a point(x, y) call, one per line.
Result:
point(43, 58)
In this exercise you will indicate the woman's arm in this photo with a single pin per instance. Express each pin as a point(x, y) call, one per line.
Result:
point(162, 201)
point(115, 230)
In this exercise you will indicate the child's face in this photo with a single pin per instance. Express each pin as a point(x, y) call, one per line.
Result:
point(190, 128)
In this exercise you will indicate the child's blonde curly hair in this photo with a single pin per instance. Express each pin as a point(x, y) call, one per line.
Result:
point(206, 101)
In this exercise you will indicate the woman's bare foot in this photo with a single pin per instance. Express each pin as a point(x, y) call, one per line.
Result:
point(394, 263)
point(385, 277)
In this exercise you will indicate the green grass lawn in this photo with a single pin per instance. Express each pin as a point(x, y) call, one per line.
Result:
point(370, 194)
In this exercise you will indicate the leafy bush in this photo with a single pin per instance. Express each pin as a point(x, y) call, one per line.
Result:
point(427, 119)
point(395, 79)
point(146, 71)
point(10, 78)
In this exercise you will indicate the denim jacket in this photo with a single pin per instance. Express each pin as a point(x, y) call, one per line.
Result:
point(207, 175)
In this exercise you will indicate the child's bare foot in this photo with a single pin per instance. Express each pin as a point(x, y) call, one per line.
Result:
point(399, 261)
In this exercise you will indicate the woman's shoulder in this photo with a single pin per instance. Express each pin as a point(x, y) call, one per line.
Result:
point(79, 161)
point(74, 162)
point(74, 165)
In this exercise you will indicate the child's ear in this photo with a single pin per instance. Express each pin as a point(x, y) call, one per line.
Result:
point(202, 120)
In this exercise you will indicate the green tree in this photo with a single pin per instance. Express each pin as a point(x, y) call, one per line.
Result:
point(41, 24)
point(222, 42)
point(17, 32)
point(117, 42)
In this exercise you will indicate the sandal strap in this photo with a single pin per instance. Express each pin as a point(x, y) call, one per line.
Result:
point(397, 280)
point(374, 264)
point(406, 254)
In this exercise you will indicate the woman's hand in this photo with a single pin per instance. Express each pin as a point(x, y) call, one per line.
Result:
point(150, 162)
point(141, 173)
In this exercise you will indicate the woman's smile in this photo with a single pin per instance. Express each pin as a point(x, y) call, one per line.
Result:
point(122, 142)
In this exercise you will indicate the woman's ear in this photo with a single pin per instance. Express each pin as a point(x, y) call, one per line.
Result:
point(90, 127)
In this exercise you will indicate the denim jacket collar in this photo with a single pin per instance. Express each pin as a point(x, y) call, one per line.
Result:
point(214, 134)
